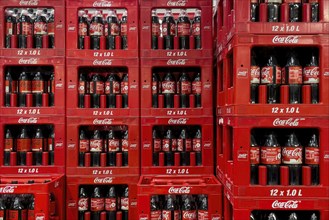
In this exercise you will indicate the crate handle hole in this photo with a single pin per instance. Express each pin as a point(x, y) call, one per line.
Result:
point(241, 65)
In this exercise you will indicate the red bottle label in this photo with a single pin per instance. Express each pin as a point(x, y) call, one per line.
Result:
point(184, 88)
point(52, 84)
point(15, 215)
point(156, 215)
point(37, 144)
point(312, 156)
point(174, 144)
point(124, 204)
point(82, 87)
point(196, 87)
point(24, 86)
point(203, 215)
point(271, 155)
point(180, 144)
point(96, 145)
point(156, 87)
point(2, 214)
point(111, 204)
point(113, 145)
point(268, 77)
point(124, 29)
point(196, 144)
point(40, 28)
point(96, 204)
point(10, 86)
point(83, 29)
point(124, 88)
point(189, 215)
point(188, 144)
point(50, 144)
point(166, 145)
point(9, 28)
point(156, 29)
point(97, 87)
point(114, 89)
point(23, 145)
point(292, 155)
point(156, 145)
point(295, 74)
point(171, 26)
point(9, 144)
point(37, 86)
point(166, 215)
point(30, 215)
point(168, 87)
point(125, 145)
point(51, 28)
point(254, 155)
point(196, 29)
point(25, 27)
point(96, 29)
point(84, 145)
point(114, 29)
point(184, 29)
point(311, 74)
point(83, 204)
point(255, 74)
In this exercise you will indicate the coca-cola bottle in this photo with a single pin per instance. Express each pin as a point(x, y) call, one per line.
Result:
point(254, 10)
point(184, 30)
point(51, 89)
point(293, 216)
point(168, 30)
point(83, 204)
point(156, 147)
point(24, 87)
point(312, 159)
point(51, 30)
point(17, 211)
point(295, 11)
point(203, 207)
point(314, 217)
point(184, 87)
point(196, 145)
point(254, 160)
point(40, 28)
point(111, 204)
point(271, 76)
point(96, 30)
point(254, 79)
point(170, 210)
point(9, 147)
point(169, 90)
point(155, 208)
point(124, 90)
point(37, 147)
point(272, 216)
point(96, 148)
point(184, 147)
point(125, 148)
point(273, 10)
point(113, 144)
point(271, 158)
point(83, 147)
point(24, 28)
point(10, 27)
point(30, 211)
point(156, 89)
point(113, 30)
point(10, 87)
point(188, 209)
point(96, 90)
point(82, 89)
point(51, 145)
point(314, 10)
point(155, 29)
point(112, 88)
point(196, 29)
point(3, 209)
point(23, 144)
point(124, 30)
point(311, 74)
point(125, 203)
point(167, 148)
point(97, 204)
point(252, 217)
point(38, 88)
point(197, 89)
point(83, 28)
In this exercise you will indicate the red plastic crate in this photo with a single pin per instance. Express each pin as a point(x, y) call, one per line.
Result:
point(73, 66)
point(59, 23)
point(237, 21)
point(236, 79)
point(72, 191)
point(220, 93)
point(146, 7)
point(72, 165)
point(236, 131)
point(72, 8)
point(40, 191)
point(58, 65)
point(220, 29)
point(205, 65)
point(206, 125)
point(191, 185)
point(59, 148)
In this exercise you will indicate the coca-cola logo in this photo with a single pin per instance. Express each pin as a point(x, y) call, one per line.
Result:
point(296, 152)
point(106, 121)
point(287, 122)
point(189, 215)
point(182, 190)
point(132, 28)
point(133, 146)
point(39, 25)
point(28, 120)
point(105, 62)
point(113, 143)
point(103, 180)
point(146, 145)
point(31, 2)
point(291, 204)
point(96, 144)
point(291, 39)
point(59, 85)
point(8, 189)
point(40, 217)
point(311, 71)
point(177, 3)
point(242, 73)
point(102, 3)
point(180, 121)
point(176, 62)
point(242, 156)
point(28, 61)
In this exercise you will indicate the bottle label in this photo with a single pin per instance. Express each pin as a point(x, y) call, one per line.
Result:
point(9, 144)
point(166, 145)
point(114, 29)
point(10, 86)
point(83, 204)
point(254, 155)
point(50, 144)
point(295, 74)
point(96, 204)
point(25, 27)
point(52, 86)
point(110, 204)
point(196, 87)
point(188, 144)
point(156, 29)
point(156, 215)
point(82, 87)
point(2, 214)
point(84, 145)
point(24, 86)
point(156, 145)
point(17, 214)
point(37, 86)
point(312, 156)
point(166, 215)
point(180, 144)
point(255, 74)
point(40, 28)
point(113, 145)
point(311, 74)
point(184, 88)
point(37, 144)
point(125, 145)
point(23, 144)
point(51, 28)
point(184, 29)
point(155, 87)
point(168, 87)
point(189, 215)
point(124, 203)
point(196, 29)
point(97, 87)
point(30, 215)
point(292, 155)
point(112, 87)
point(271, 155)
point(96, 29)
point(124, 88)
point(203, 215)
point(271, 75)
point(171, 27)
point(174, 144)
point(83, 29)
point(52, 208)
point(196, 144)
point(96, 145)
point(124, 29)
point(9, 28)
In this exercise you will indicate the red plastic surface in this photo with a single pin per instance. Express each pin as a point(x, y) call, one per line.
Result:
point(40, 191)
point(72, 68)
point(146, 7)
point(159, 185)
point(59, 94)
point(72, 191)
point(206, 124)
point(59, 15)
point(73, 124)
point(72, 8)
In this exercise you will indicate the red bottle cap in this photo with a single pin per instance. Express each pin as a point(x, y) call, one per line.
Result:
point(13, 100)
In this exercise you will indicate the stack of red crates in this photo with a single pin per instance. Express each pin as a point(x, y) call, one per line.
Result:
point(48, 176)
point(238, 119)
